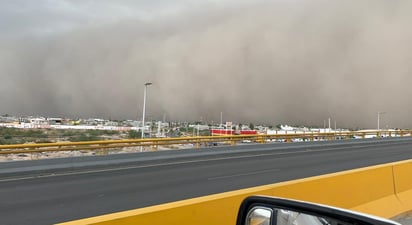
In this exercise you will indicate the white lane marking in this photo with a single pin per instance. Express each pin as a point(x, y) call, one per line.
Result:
point(243, 174)
point(175, 163)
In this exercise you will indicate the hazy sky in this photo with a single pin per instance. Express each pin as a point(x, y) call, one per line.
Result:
point(280, 61)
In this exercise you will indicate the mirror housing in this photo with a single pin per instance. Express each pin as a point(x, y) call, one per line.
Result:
point(262, 210)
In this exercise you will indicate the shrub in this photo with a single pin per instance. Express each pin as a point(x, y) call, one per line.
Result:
point(134, 134)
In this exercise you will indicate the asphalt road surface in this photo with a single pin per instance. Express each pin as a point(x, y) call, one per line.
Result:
point(59, 190)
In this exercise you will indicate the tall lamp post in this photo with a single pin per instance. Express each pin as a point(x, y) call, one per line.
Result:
point(144, 106)
point(379, 118)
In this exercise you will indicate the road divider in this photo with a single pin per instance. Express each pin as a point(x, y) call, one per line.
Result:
point(383, 190)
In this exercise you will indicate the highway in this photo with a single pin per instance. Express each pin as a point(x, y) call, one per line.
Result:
point(52, 191)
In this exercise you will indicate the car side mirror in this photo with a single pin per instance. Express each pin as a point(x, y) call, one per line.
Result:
point(261, 210)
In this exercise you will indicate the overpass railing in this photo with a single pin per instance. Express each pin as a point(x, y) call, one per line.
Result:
point(198, 141)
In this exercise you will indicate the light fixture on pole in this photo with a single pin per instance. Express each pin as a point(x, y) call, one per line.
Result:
point(144, 106)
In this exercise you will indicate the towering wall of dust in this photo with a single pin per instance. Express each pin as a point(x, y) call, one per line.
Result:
point(295, 62)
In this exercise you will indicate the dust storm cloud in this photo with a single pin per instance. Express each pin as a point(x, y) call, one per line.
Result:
point(294, 62)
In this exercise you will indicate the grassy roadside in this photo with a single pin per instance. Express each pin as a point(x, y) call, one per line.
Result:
point(21, 136)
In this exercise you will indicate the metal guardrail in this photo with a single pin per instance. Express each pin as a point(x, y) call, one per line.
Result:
point(197, 141)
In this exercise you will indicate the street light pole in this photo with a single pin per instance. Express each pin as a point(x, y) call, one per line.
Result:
point(379, 118)
point(144, 106)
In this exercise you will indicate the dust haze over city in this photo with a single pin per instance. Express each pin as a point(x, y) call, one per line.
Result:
point(289, 62)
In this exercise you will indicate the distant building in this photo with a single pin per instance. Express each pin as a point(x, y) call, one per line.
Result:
point(8, 119)
point(38, 121)
point(54, 121)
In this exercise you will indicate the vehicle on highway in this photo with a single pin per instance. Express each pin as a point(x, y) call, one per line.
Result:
point(262, 210)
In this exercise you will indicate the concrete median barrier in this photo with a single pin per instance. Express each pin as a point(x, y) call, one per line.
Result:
point(384, 190)
point(403, 184)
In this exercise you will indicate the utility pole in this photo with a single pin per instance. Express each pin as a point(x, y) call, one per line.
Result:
point(379, 118)
point(221, 119)
point(329, 123)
